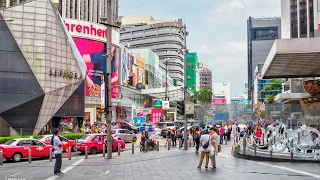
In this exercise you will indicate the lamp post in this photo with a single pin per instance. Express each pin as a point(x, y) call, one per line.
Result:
point(185, 33)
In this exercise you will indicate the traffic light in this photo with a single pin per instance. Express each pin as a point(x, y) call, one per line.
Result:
point(130, 80)
point(181, 108)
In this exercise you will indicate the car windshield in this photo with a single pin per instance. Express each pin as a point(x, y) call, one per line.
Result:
point(9, 142)
point(86, 137)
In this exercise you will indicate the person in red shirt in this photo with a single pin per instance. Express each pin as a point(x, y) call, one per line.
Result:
point(221, 130)
point(258, 134)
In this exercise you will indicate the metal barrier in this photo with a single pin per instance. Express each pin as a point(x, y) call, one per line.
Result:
point(86, 152)
point(1, 158)
point(302, 143)
point(50, 154)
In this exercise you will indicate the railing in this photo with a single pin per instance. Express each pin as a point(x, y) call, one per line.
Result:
point(302, 143)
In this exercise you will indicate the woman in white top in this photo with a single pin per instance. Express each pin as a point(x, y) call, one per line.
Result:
point(205, 148)
point(190, 138)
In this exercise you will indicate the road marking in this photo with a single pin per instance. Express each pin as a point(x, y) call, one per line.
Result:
point(107, 172)
point(16, 174)
point(280, 167)
point(159, 161)
point(66, 169)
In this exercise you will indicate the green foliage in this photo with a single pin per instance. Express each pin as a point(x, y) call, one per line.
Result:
point(269, 99)
point(267, 88)
point(276, 84)
point(70, 136)
point(204, 95)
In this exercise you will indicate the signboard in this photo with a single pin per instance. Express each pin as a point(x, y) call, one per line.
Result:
point(263, 107)
point(102, 95)
point(164, 24)
point(259, 111)
point(157, 103)
point(219, 101)
point(156, 114)
point(189, 109)
point(165, 105)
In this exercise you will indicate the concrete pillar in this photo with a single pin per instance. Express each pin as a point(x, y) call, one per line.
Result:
point(7, 3)
point(68, 9)
point(87, 10)
point(95, 11)
point(73, 14)
point(79, 10)
point(64, 8)
point(91, 10)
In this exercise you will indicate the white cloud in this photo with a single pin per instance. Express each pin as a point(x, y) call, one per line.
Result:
point(235, 47)
point(202, 49)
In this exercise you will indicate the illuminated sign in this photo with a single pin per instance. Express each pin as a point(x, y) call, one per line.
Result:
point(219, 101)
point(65, 74)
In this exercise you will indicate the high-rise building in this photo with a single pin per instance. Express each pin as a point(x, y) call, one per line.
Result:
point(205, 78)
point(222, 92)
point(261, 35)
point(298, 19)
point(166, 39)
point(86, 10)
point(192, 71)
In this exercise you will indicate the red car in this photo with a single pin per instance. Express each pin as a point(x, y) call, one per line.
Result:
point(95, 143)
point(66, 143)
point(17, 149)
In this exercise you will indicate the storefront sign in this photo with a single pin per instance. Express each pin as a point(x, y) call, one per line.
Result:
point(115, 92)
point(219, 101)
point(156, 114)
point(165, 105)
point(165, 24)
point(103, 95)
point(65, 74)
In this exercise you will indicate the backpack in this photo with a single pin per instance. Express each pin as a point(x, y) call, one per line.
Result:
point(206, 145)
point(196, 136)
point(51, 142)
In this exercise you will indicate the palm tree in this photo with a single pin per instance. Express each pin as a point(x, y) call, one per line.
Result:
point(204, 95)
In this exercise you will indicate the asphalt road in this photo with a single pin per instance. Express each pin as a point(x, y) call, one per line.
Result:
point(174, 164)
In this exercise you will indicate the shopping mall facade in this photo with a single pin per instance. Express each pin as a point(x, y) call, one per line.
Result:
point(51, 68)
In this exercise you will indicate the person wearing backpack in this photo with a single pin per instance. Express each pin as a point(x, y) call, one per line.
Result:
point(196, 138)
point(205, 141)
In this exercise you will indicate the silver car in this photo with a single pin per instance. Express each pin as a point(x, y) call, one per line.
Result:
point(124, 135)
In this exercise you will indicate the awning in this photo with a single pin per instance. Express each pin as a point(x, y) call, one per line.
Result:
point(293, 58)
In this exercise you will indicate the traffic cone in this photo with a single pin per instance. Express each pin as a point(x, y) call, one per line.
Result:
point(67, 153)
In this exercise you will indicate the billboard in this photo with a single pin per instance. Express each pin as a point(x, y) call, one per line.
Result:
point(94, 55)
point(134, 66)
point(219, 101)
point(192, 67)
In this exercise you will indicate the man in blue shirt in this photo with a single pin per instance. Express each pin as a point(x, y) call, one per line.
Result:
point(57, 152)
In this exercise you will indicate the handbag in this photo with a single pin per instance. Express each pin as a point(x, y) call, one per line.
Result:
point(219, 147)
point(212, 153)
point(206, 145)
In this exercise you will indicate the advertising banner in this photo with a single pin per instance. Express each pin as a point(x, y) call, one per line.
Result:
point(219, 100)
point(94, 55)
point(165, 105)
point(156, 114)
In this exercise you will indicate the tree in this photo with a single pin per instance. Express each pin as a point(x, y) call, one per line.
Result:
point(269, 99)
point(276, 84)
point(204, 95)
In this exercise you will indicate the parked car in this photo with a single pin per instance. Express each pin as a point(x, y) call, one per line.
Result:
point(124, 134)
point(125, 125)
point(164, 126)
point(17, 149)
point(95, 143)
point(66, 143)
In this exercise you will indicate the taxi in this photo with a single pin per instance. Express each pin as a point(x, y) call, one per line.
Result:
point(17, 149)
point(95, 143)
point(66, 143)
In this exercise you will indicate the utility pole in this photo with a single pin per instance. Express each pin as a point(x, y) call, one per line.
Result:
point(107, 75)
point(185, 87)
point(166, 95)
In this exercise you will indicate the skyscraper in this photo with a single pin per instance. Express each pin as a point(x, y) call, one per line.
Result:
point(261, 35)
point(205, 78)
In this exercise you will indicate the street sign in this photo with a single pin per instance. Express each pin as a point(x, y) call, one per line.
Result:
point(165, 105)
point(189, 109)
point(102, 95)
point(263, 107)
point(259, 112)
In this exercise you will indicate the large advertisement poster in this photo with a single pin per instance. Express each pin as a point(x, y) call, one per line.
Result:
point(133, 66)
point(94, 55)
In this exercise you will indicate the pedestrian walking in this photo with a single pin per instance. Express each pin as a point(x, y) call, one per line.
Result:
point(221, 134)
point(190, 138)
point(196, 138)
point(168, 137)
point(174, 137)
point(205, 142)
point(56, 142)
point(214, 146)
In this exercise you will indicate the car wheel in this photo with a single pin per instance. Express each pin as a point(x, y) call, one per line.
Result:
point(16, 157)
point(134, 139)
point(74, 148)
point(93, 150)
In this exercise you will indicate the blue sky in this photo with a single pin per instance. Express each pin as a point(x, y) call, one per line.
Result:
point(217, 30)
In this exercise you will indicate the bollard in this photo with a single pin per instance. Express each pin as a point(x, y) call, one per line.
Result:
point(119, 147)
point(145, 146)
point(244, 144)
point(29, 155)
point(50, 154)
point(104, 150)
point(225, 140)
point(1, 158)
point(169, 144)
point(262, 139)
point(271, 154)
point(291, 153)
point(180, 143)
point(255, 147)
point(132, 147)
point(69, 153)
point(298, 137)
point(286, 135)
point(158, 145)
point(86, 152)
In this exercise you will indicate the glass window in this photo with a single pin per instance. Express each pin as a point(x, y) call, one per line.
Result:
point(9, 142)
